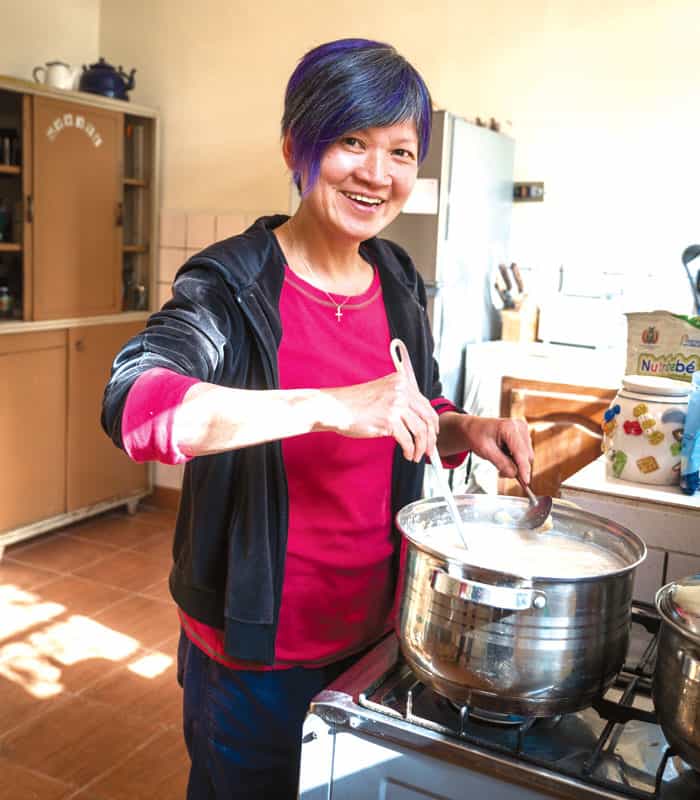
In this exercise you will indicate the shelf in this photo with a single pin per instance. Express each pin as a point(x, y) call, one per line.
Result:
point(10, 247)
point(135, 248)
point(10, 169)
point(137, 182)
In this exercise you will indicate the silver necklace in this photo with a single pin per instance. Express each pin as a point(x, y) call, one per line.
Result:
point(338, 306)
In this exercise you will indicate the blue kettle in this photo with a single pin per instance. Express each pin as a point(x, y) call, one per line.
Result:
point(102, 78)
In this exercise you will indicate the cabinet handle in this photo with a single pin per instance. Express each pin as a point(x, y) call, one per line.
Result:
point(79, 345)
point(120, 215)
point(30, 208)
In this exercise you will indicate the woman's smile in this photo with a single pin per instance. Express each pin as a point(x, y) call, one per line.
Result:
point(364, 180)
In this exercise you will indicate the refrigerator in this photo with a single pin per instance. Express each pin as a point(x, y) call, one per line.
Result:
point(456, 228)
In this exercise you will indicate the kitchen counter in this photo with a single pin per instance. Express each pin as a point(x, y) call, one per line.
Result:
point(666, 519)
point(21, 326)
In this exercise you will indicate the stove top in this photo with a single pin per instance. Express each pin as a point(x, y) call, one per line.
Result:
point(613, 749)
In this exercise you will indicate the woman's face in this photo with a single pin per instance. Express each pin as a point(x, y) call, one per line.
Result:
point(365, 179)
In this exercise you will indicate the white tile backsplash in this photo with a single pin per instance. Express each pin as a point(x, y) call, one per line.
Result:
point(164, 293)
point(168, 476)
point(171, 260)
point(201, 231)
point(229, 225)
point(173, 226)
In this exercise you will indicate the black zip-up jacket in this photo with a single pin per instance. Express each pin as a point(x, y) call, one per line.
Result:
point(223, 326)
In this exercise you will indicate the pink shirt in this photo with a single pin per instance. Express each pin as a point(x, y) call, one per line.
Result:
point(337, 595)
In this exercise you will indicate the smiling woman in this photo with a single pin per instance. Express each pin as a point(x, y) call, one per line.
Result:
point(269, 372)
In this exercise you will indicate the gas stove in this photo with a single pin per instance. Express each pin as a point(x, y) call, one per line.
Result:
point(377, 731)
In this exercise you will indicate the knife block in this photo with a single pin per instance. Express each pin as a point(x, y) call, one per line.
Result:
point(520, 324)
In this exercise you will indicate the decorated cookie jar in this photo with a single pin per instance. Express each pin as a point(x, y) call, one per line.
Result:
point(643, 429)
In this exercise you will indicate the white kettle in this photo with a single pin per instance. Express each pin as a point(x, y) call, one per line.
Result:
point(57, 74)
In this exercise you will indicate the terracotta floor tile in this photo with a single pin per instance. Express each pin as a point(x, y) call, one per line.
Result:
point(159, 591)
point(58, 553)
point(18, 705)
point(19, 783)
point(77, 741)
point(80, 595)
point(157, 770)
point(21, 575)
point(127, 569)
point(148, 621)
point(158, 545)
point(116, 531)
point(156, 516)
point(146, 687)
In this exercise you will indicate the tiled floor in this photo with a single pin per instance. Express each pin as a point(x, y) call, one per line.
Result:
point(89, 703)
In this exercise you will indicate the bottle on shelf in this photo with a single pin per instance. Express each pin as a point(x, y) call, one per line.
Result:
point(6, 302)
point(5, 221)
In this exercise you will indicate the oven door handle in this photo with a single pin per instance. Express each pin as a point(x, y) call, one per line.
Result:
point(512, 598)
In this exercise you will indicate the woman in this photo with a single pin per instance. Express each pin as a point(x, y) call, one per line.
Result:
point(269, 372)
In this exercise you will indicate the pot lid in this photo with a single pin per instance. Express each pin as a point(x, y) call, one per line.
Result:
point(648, 384)
point(679, 604)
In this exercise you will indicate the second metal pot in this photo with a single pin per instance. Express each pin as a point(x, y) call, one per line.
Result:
point(508, 644)
point(676, 687)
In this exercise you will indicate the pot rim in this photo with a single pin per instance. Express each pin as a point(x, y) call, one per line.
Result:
point(564, 510)
point(661, 601)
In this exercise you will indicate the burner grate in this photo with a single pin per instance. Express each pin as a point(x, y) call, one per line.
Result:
point(596, 764)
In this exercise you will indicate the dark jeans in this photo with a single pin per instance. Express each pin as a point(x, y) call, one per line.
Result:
point(243, 728)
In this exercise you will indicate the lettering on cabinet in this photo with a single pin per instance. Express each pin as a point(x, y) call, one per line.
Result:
point(80, 123)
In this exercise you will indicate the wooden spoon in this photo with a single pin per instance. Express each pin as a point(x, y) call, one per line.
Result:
point(402, 362)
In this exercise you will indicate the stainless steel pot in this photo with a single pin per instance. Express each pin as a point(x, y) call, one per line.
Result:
point(676, 687)
point(509, 644)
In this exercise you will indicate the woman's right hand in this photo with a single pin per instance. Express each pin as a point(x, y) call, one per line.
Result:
point(388, 406)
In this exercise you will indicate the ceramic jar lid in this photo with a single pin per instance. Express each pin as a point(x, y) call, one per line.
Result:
point(648, 384)
point(679, 604)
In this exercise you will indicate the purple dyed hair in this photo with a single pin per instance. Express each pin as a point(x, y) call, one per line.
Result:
point(348, 85)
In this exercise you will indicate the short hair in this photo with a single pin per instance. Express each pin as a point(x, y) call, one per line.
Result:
point(349, 85)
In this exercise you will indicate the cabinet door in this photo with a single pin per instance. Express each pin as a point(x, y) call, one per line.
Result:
point(565, 428)
point(77, 167)
point(32, 427)
point(96, 469)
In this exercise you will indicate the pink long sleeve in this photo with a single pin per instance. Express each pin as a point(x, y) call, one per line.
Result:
point(147, 420)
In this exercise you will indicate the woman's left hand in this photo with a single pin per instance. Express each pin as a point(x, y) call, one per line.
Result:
point(503, 441)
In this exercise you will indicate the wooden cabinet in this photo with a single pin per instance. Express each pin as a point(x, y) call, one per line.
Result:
point(32, 427)
point(565, 427)
point(81, 191)
point(76, 216)
point(78, 175)
point(96, 470)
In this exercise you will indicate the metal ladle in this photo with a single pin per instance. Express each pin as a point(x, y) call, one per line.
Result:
point(540, 508)
point(402, 362)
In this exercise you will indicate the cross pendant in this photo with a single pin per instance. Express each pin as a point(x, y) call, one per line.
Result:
point(338, 314)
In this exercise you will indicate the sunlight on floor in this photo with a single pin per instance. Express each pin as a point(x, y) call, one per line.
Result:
point(20, 610)
point(151, 666)
point(35, 662)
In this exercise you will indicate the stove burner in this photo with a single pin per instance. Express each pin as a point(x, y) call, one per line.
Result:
point(614, 746)
point(495, 718)
point(482, 715)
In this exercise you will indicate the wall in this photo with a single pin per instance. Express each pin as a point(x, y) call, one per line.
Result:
point(36, 31)
point(601, 96)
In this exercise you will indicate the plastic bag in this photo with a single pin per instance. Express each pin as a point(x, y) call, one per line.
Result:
point(690, 445)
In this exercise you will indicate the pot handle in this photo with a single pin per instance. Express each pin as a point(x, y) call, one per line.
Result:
point(507, 597)
point(690, 666)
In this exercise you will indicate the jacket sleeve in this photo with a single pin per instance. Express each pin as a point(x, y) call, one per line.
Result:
point(194, 334)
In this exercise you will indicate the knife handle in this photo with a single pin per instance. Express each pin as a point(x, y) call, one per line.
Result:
point(515, 269)
point(506, 277)
point(501, 292)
